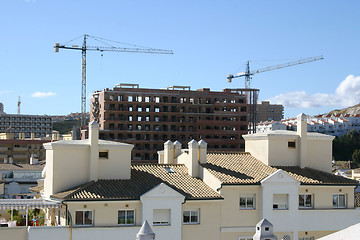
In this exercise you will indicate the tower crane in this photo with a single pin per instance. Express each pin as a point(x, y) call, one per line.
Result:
point(84, 48)
point(252, 94)
point(247, 74)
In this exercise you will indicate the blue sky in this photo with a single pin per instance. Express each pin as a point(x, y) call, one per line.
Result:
point(210, 39)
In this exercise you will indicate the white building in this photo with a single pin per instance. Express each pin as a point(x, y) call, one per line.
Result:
point(335, 125)
point(284, 176)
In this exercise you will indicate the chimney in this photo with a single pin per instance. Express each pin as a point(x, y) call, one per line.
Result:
point(145, 232)
point(302, 133)
point(202, 151)
point(177, 146)
point(194, 158)
point(11, 160)
point(55, 136)
point(264, 231)
point(32, 136)
point(5, 159)
point(168, 152)
point(33, 159)
point(94, 150)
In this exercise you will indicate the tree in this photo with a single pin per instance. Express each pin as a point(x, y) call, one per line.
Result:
point(356, 157)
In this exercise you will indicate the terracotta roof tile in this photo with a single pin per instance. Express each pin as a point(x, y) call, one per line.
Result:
point(242, 168)
point(144, 177)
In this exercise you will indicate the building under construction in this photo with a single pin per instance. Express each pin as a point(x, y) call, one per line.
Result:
point(147, 118)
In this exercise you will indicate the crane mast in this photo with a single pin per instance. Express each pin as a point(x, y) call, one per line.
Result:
point(110, 48)
point(83, 82)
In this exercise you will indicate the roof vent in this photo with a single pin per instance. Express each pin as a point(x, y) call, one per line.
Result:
point(169, 169)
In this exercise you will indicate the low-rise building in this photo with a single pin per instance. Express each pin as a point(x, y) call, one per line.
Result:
point(335, 125)
point(20, 150)
point(18, 178)
point(283, 176)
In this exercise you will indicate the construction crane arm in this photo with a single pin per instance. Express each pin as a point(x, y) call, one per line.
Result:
point(248, 73)
point(57, 46)
point(288, 64)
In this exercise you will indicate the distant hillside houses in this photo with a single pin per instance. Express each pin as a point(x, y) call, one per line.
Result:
point(330, 124)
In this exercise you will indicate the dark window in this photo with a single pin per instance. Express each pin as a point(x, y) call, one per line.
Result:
point(291, 144)
point(103, 154)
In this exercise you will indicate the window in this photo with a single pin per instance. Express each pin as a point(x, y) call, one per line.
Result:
point(280, 201)
point(191, 217)
point(306, 238)
point(305, 201)
point(84, 218)
point(104, 154)
point(126, 217)
point(161, 217)
point(339, 201)
point(247, 202)
point(291, 144)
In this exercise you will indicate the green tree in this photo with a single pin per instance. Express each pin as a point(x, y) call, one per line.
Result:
point(16, 216)
point(356, 157)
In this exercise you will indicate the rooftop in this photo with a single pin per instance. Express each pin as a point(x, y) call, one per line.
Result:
point(242, 168)
point(144, 177)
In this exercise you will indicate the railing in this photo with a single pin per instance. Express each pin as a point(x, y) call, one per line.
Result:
point(357, 200)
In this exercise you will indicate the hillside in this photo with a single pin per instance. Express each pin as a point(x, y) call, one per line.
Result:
point(350, 110)
point(65, 127)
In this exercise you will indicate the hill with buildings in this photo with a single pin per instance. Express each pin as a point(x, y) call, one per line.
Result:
point(353, 110)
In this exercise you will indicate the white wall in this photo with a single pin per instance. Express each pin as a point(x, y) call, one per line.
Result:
point(164, 197)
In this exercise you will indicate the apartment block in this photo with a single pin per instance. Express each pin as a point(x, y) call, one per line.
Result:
point(149, 117)
point(20, 150)
point(269, 112)
point(25, 125)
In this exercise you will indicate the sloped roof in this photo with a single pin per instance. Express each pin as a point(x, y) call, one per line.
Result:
point(144, 177)
point(242, 168)
point(22, 166)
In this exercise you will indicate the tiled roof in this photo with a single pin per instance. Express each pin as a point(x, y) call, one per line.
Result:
point(144, 177)
point(22, 166)
point(242, 168)
point(237, 168)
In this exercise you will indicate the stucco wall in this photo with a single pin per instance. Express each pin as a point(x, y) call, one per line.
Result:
point(258, 148)
point(209, 226)
point(322, 196)
point(105, 213)
point(231, 214)
point(319, 155)
point(279, 152)
point(18, 233)
point(70, 168)
point(117, 166)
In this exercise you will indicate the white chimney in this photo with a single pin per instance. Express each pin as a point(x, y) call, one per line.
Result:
point(202, 151)
point(11, 160)
point(193, 166)
point(94, 150)
point(168, 152)
point(145, 232)
point(34, 160)
point(5, 159)
point(302, 133)
point(177, 146)
point(264, 230)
